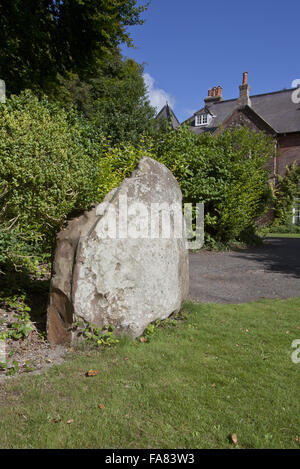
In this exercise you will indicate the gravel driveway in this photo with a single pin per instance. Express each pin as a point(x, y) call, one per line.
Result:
point(269, 271)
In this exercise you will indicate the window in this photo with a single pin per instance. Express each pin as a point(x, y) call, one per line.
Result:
point(201, 119)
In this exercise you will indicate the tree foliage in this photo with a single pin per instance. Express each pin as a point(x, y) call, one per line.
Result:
point(118, 163)
point(226, 172)
point(48, 167)
point(41, 39)
point(115, 99)
point(288, 187)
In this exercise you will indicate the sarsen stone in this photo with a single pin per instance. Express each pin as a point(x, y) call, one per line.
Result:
point(126, 281)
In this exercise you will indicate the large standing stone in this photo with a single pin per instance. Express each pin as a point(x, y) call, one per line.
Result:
point(125, 278)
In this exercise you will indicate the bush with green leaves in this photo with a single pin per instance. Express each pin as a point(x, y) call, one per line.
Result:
point(94, 335)
point(53, 162)
point(48, 167)
point(282, 229)
point(118, 163)
point(226, 172)
point(287, 189)
point(21, 326)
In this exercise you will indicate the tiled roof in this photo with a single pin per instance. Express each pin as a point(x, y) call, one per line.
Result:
point(276, 108)
point(167, 114)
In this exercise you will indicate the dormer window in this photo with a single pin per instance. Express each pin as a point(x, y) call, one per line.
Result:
point(201, 119)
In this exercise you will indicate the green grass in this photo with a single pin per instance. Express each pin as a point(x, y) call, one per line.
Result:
point(225, 369)
point(283, 235)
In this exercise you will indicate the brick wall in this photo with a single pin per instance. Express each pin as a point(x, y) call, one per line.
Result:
point(288, 152)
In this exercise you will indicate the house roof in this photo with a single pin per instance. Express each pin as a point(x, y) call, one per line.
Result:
point(277, 109)
point(167, 114)
point(253, 116)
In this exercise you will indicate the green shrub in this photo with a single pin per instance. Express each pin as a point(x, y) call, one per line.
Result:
point(118, 163)
point(226, 172)
point(53, 161)
point(287, 189)
point(19, 250)
point(289, 228)
point(48, 167)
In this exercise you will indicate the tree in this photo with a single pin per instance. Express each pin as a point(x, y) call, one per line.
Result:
point(286, 191)
point(121, 108)
point(48, 168)
point(115, 99)
point(226, 172)
point(41, 39)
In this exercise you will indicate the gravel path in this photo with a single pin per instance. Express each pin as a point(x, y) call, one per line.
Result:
point(269, 271)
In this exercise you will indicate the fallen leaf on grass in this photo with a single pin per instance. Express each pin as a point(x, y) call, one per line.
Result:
point(92, 373)
point(70, 421)
point(234, 438)
point(101, 406)
point(143, 339)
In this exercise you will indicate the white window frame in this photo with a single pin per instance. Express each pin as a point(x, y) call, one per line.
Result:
point(201, 119)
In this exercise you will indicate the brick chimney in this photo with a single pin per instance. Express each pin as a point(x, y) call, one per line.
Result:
point(214, 95)
point(244, 99)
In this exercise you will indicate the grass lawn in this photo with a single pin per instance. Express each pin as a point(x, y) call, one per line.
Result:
point(283, 235)
point(224, 369)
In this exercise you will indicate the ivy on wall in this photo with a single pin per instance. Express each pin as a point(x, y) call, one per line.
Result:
point(287, 189)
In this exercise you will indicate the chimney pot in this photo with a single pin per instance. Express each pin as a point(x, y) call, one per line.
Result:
point(244, 99)
point(214, 95)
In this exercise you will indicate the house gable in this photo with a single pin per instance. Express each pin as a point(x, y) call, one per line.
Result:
point(166, 114)
point(246, 117)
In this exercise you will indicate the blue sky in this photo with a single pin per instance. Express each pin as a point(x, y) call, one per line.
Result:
point(190, 46)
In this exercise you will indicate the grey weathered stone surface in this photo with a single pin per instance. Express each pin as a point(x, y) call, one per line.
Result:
point(128, 282)
point(2, 91)
point(60, 308)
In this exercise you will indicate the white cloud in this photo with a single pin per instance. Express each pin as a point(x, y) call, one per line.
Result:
point(157, 97)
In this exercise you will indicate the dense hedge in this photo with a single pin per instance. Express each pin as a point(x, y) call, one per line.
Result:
point(226, 172)
point(48, 167)
point(53, 161)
